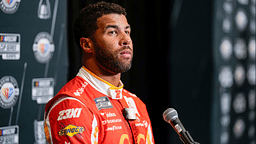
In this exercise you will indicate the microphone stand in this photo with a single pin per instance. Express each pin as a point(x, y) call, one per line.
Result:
point(188, 138)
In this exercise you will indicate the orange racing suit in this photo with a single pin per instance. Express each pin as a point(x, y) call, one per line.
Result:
point(89, 110)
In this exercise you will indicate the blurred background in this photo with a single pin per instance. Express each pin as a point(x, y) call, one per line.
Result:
point(197, 57)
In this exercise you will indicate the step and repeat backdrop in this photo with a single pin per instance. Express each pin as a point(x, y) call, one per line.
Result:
point(234, 76)
point(33, 65)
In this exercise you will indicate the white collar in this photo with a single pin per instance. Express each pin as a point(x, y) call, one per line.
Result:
point(100, 84)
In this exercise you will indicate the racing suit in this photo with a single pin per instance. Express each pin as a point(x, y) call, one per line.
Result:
point(90, 110)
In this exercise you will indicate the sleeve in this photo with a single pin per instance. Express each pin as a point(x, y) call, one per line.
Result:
point(70, 121)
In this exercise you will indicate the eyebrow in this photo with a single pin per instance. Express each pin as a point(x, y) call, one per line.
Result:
point(115, 26)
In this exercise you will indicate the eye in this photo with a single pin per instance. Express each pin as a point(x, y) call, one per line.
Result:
point(127, 32)
point(112, 32)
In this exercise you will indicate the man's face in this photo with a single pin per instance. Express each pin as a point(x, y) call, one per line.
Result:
point(113, 48)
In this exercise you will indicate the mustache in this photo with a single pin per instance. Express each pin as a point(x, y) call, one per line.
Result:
point(125, 48)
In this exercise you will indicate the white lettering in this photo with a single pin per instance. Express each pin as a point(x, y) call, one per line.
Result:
point(80, 90)
point(113, 128)
point(145, 124)
point(110, 114)
point(69, 113)
point(8, 131)
point(10, 38)
point(111, 121)
point(61, 113)
point(139, 124)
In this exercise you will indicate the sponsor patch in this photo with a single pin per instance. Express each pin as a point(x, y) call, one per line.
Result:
point(9, 135)
point(9, 92)
point(108, 114)
point(10, 46)
point(111, 121)
point(9, 6)
point(103, 103)
point(71, 130)
point(69, 113)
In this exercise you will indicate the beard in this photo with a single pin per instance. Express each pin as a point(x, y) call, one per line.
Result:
point(110, 60)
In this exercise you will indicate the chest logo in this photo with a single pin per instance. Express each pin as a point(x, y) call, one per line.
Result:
point(103, 103)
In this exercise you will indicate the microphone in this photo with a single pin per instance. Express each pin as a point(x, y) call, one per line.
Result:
point(171, 116)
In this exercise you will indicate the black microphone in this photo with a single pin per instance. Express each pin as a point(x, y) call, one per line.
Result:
point(171, 116)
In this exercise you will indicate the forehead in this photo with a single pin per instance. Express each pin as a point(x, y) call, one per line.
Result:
point(110, 19)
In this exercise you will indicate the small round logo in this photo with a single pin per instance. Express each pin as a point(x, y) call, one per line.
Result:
point(9, 92)
point(9, 6)
point(43, 47)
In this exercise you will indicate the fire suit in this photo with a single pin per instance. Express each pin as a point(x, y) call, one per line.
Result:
point(89, 110)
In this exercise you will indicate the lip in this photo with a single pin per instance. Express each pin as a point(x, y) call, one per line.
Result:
point(126, 54)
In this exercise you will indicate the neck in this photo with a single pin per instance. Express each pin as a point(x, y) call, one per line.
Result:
point(102, 72)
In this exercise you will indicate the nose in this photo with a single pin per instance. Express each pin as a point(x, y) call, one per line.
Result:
point(125, 40)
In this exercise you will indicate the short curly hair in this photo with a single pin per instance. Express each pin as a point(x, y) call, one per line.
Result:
point(86, 22)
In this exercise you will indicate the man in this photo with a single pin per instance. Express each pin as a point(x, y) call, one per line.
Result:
point(93, 107)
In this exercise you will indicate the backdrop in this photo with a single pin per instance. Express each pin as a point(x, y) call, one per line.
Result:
point(33, 65)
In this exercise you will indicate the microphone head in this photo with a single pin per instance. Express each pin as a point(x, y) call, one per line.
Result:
point(170, 114)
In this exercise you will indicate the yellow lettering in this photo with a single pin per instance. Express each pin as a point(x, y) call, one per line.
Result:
point(123, 137)
point(140, 136)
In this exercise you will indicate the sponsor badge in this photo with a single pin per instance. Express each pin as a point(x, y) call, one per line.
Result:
point(9, 6)
point(71, 130)
point(9, 135)
point(9, 92)
point(43, 47)
point(42, 89)
point(103, 103)
point(10, 46)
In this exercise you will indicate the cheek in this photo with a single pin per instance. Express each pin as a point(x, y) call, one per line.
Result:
point(110, 44)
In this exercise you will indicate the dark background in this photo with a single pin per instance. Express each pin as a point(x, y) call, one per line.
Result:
point(172, 65)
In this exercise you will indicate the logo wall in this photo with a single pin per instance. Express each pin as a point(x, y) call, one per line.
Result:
point(9, 92)
point(9, 6)
point(43, 47)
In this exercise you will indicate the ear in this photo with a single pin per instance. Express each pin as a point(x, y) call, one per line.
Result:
point(86, 44)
